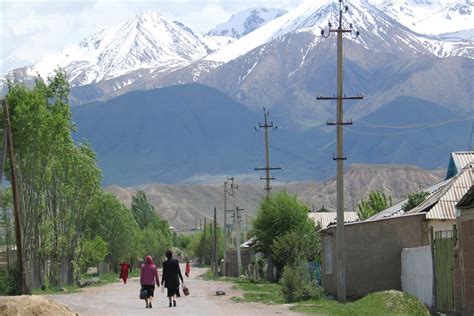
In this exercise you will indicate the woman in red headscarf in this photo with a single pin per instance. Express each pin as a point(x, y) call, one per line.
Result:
point(124, 267)
point(148, 278)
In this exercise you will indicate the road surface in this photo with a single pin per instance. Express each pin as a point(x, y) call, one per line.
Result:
point(120, 299)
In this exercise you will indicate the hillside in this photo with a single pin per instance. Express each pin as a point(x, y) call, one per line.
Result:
point(182, 205)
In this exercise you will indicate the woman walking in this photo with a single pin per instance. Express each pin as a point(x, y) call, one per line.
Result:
point(124, 268)
point(171, 276)
point(148, 278)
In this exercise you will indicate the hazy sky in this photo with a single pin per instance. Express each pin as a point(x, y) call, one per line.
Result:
point(34, 28)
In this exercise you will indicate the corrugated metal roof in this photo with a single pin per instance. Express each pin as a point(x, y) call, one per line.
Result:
point(445, 207)
point(462, 158)
point(326, 218)
point(396, 210)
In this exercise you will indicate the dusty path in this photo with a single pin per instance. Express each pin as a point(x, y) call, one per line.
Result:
point(119, 299)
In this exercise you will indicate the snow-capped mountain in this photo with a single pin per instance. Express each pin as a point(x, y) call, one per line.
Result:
point(245, 22)
point(431, 16)
point(370, 20)
point(11, 62)
point(147, 41)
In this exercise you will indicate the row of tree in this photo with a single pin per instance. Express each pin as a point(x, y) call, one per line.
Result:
point(69, 222)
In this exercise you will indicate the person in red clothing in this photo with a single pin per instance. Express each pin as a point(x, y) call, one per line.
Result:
point(188, 269)
point(124, 268)
point(148, 278)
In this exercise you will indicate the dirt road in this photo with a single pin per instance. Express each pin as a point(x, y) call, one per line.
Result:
point(120, 299)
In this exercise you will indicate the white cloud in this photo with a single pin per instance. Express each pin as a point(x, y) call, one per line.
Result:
point(31, 29)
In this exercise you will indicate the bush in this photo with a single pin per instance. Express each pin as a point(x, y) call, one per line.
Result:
point(8, 282)
point(298, 285)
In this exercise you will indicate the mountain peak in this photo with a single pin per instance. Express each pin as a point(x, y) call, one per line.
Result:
point(147, 40)
point(246, 21)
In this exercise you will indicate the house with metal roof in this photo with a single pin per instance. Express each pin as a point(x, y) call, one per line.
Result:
point(459, 160)
point(324, 219)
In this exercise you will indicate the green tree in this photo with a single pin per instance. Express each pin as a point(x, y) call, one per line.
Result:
point(110, 220)
point(296, 246)
point(414, 199)
point(202, 247)
point(375, 202)
point(278, 215)
point(94, 252)
point(57, 179)
point(142, 210)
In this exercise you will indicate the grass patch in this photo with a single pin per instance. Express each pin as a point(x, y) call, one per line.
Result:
point(380, 303)
point(105, 278)
point(258, 291)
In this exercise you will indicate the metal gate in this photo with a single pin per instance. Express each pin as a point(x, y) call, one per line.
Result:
point(443, 245)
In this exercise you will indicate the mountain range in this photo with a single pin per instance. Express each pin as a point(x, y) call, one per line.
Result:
point(184, 205)
point(207, 90)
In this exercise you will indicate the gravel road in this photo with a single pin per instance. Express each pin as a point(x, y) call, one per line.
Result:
point(120, 299)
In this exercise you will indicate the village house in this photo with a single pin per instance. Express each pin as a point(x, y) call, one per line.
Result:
point(464, 255)
point(409, 251)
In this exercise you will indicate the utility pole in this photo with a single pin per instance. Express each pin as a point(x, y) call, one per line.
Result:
point(267, 168)
point(204, 244)
point(340, 242)
point(225, 229)
point(16, 201)
point(233, 186)
point(215, 242)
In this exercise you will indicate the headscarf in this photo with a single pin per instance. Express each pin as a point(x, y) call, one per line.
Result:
point(148, 260)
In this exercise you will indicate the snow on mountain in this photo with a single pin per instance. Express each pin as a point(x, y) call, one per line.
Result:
point(11, 62)
point(148, 40)
point(431, 16)
point(247, 21)
point(373, 23)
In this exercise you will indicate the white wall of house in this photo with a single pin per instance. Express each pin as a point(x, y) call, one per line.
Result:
point(439, 225)
point(417, 273)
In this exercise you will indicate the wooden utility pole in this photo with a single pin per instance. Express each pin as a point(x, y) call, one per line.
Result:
point(215, 242)
point(340, 242)
point(267, 168)
point(225, 229)
point(233, 186)
point(16, 201)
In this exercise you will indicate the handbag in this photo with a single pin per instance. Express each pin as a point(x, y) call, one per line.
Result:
point(143, 294)
point(185, 290)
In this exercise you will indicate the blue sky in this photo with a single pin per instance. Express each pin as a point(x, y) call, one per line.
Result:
point(35, 28)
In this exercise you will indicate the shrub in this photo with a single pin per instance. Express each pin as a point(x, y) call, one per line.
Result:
point(298, 285)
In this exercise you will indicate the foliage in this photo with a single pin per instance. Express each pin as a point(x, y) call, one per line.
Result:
point(57, 179)
point(298, 284)
point(8, 281)
point(201, 244)
point(142, 210)
point(375, 202)
point(294, 246)
point(93, 252)
point(183, 241)
point(379, 303)
point(278, 215)
point(414, 199)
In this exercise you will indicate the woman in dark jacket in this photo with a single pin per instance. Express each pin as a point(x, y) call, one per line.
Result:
point(171, 276)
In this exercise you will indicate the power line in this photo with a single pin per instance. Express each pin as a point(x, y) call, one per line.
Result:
point(414, 126)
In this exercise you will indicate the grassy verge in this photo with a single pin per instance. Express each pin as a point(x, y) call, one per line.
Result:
point(262, 292)
point(105, 278)
point(380, 303)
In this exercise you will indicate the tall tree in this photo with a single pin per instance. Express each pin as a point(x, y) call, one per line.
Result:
point(414, 199)
point(375, 202)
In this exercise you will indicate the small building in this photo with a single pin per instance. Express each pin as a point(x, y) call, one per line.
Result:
point(464, 256)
